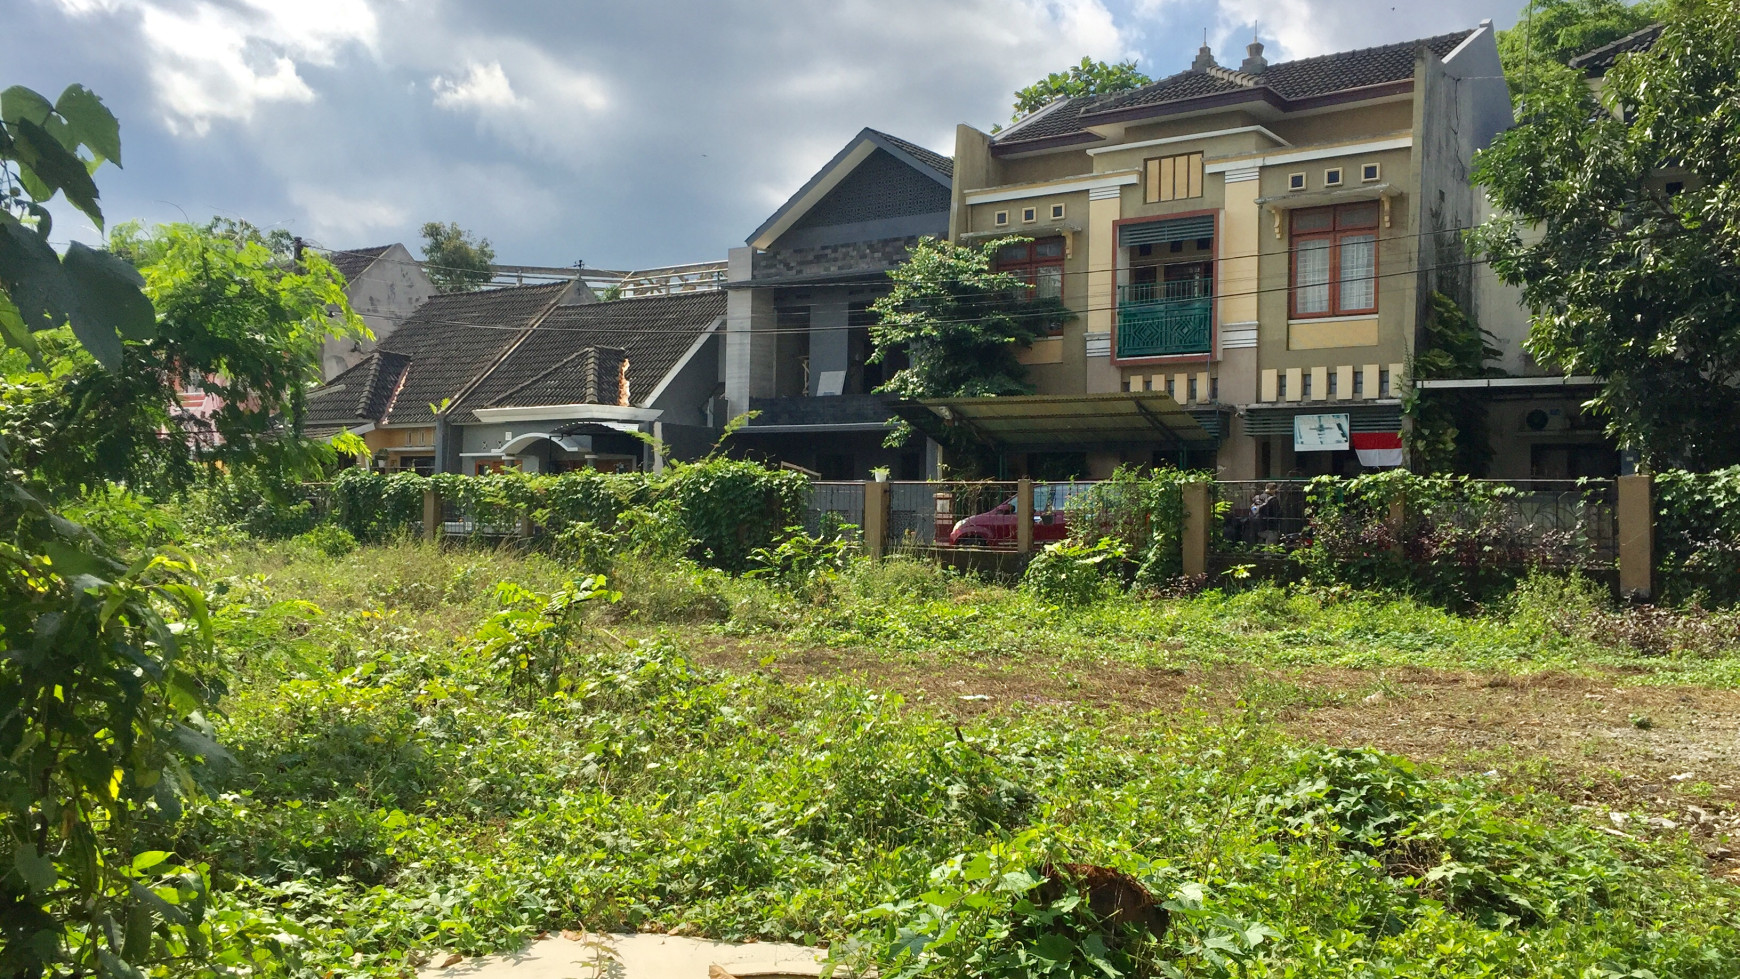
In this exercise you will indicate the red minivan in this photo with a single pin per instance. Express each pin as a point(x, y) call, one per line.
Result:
point(996, 527)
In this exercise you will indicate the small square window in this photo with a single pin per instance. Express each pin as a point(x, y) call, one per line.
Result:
point(1144, 249)
point(1029, 215)
point(1177, 246)
point(1057, 212)
point(1370, 172)
point(1204, 244)
point(1002, 219)
point(1332, 177)
point(1295, 181)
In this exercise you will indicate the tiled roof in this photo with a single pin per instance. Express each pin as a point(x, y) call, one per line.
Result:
point(453, 338)
point(355, 261)
point(1595, 63)
point(594, 375)
point(1283, 82)
point(360, 395)
point(653, 332)
point(944, 165)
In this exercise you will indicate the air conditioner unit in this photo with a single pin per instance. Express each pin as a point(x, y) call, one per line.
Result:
point(1546, 420)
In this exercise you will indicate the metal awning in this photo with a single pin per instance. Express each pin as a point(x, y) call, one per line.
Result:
point(1062, 422)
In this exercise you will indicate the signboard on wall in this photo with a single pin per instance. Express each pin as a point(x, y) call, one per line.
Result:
point(1320, 433)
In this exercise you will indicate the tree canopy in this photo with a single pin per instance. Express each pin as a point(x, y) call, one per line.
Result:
point(1552, 32)
point(455, 260)
point(1088, 78)
point(960, 323)
point(1621, 225)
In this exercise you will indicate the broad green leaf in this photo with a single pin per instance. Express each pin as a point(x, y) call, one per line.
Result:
point(15, 333)
point(34, 276)
point(108, 300)
point(91, 121)
point(37, 869)
point(56, 167)
point(19, 102)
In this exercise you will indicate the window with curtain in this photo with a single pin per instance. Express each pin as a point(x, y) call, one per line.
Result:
point(1039, 263)
point(1335, 260)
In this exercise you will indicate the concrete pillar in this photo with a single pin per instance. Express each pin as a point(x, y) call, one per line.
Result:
point(749, 337)
point(875, 518)
point(1194, 537)
point(1636, 516)
point(1024, 516)
point(1105, 206)
point(431, 515)
point(1397, 522)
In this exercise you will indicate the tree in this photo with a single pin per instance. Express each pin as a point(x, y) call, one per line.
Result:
point(1088, 78)
point(94, 292)
point(236, 322)
point(454, 260)
point(960, 324)
point(1449, 431)
point(1555, 31)
point(1636, 201)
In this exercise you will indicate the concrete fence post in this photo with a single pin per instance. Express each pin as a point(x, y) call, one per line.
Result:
point(1194, 534)
point(431, 515)
point(1397, 522)
point(875, 519)
point(1024, 515)
point(1636, 516)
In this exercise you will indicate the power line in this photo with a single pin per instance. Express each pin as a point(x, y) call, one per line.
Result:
point(804, 330)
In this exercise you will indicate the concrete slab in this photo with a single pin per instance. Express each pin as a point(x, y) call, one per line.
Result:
point(573, 955)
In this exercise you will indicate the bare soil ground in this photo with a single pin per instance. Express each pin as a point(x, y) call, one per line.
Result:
point(1635, 760)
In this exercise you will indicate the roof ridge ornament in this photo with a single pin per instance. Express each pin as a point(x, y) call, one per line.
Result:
point(1204, 57)
point(1254, 63)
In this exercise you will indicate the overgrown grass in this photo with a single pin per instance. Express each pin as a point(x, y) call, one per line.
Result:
point(392, 797)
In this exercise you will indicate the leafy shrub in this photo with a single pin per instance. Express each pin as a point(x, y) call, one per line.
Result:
point(534, 640)
point(1697, 535)
point(1066, 573)
point(1143, 512)
point(373, 506)
point(801, 562)
point(730, 507)
point(329, 540)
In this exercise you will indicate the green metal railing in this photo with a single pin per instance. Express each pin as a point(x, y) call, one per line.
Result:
point(1158, 319)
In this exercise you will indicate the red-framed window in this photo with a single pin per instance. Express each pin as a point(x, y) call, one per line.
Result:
point(1334, 260)
point(1039, 263)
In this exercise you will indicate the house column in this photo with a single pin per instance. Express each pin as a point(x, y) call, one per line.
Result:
point(1238, 269)
point(749, 340)
point(1105, 206)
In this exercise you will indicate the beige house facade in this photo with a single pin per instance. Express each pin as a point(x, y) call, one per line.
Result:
point(1255, 243)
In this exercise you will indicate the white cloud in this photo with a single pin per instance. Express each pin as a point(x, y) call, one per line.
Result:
point(210, 60)
point(484, 86)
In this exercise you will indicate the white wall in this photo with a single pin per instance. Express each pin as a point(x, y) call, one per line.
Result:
point(384, 295)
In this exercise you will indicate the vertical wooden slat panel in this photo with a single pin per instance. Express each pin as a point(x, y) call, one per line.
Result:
point(1195, 169)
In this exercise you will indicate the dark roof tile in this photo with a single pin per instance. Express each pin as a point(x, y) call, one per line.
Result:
point(355, 261)
point(944, 165)
point(454, 338)
point(548, 368)
point(1595, 63)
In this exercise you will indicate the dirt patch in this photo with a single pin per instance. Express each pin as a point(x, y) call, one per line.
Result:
point(1638, 760)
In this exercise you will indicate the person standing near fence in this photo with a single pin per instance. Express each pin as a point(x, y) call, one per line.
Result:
point(1265, 514)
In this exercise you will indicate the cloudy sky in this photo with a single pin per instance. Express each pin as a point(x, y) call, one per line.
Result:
point(625, 134)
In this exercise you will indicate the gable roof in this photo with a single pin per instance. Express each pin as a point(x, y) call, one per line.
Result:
point(565, 358)
point(1595, 63)
point(355, 261)
point(1286, 85)
point(358, 396)
point(932, 164)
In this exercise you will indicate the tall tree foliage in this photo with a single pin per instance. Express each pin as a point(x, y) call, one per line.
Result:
point(236, 322)
point(1088, 78)
point(456, 260)
point(1635, 275)
point(960, 322)
point(1450, 433)
point(1552, 32)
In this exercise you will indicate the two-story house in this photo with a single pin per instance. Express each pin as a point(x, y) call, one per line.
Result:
point(1251, 244)
point(798, 334)
point(384, 285)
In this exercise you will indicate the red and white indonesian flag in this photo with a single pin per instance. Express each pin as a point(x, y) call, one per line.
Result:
point(1378, 449)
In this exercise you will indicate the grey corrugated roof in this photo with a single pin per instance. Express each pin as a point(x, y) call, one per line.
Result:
point(355, 261)
point(1282, 82)
point(1595, 63)
point(944, 165)
point(652, 331)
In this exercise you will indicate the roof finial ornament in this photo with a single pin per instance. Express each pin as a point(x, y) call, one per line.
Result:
point(1204, 57)
point(1254, 62)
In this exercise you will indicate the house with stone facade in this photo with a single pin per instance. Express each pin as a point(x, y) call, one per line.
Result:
point(798, 326)
point(1250, 249)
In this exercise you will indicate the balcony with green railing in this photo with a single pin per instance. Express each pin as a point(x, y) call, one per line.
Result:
point(1164, 319)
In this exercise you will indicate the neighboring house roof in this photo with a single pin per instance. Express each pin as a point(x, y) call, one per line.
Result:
point(568, 357)
point(933, 165)
point(444, 345)
point(355, 261)
point(1285, 84)
point(1595, 63)
point(358, 396)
